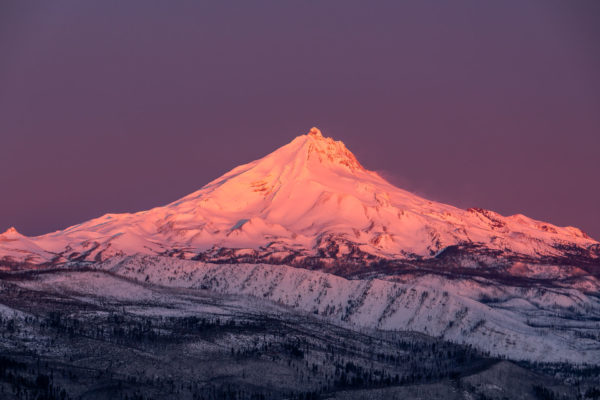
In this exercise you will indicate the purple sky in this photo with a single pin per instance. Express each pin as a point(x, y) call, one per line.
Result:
point(118, 106)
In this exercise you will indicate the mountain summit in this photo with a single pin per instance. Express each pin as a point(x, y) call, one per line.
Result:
point(309, 201)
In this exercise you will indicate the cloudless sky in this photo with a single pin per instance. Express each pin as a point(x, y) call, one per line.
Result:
point(120, 106)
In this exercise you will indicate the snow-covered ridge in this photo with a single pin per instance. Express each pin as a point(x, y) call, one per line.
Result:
point(310, 199)
point(556, 324)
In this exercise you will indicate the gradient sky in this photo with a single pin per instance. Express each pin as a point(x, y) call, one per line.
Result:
point(120, 106)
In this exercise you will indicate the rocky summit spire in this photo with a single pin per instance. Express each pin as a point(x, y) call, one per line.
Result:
point(328, 150)
point(314, 131)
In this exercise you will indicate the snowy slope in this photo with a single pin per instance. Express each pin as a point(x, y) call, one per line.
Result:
point(309, 198)
point(558, 324)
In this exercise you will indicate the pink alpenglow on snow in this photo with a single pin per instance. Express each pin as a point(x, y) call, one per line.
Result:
point(305, 195)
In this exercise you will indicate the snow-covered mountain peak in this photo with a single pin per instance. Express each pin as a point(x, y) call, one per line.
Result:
point(10, 232)
point(309, 161)
point(299, 185)
point(318, 149)
point(308, 198)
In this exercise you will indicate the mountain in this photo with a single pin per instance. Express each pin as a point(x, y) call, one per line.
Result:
point(309, 201)
point(309, 227)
